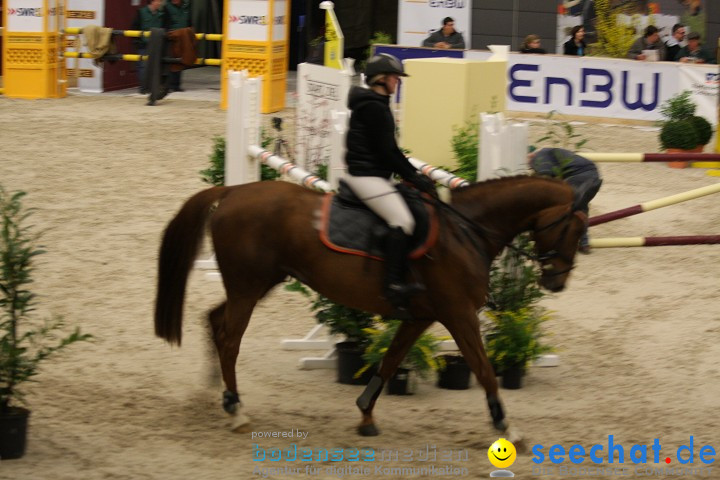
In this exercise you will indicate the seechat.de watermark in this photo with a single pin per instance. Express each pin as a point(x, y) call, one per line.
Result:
point(615, 459)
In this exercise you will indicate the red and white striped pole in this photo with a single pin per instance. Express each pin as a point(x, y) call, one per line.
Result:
point(655, 204)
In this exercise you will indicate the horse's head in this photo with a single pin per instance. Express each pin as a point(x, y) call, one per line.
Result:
point(557, 234)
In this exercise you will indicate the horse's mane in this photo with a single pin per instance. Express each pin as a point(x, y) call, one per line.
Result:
point(495, 181)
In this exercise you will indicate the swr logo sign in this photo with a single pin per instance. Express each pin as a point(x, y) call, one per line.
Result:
point(248, 19)
point(25, 12)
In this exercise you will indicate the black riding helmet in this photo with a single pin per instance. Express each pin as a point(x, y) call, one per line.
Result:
point(383, 63)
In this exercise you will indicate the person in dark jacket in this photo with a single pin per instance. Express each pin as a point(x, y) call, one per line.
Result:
point(576, 170)
point(694, 51)
point(177, 16)
point(150, 16)
point(674, 43)
point(649, 41)
point(372, 158)
point(576, 45)
point(446, 37)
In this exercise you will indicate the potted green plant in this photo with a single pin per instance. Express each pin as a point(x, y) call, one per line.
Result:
point(515, 341)
point(347, 322)
point(24, 344)
point(420, 359)
point(681, 130)
point(514, 328)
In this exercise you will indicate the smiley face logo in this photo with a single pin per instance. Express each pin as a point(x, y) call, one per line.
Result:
point(502, 453)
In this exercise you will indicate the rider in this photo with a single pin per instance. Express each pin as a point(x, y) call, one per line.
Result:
point(372, 158)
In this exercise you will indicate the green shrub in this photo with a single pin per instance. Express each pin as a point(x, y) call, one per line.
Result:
point(678, 107)
point(515, 337)
point(703, 129)
point(678, 134)
point(215, 173)
point(23, 342)
point(421, 357)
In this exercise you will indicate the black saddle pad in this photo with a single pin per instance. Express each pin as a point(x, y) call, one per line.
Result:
point(349, 226)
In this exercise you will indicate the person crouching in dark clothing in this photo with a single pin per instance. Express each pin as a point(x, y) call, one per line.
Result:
point(575, 170)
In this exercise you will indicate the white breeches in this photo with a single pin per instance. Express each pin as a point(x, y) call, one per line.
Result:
point(381, 196)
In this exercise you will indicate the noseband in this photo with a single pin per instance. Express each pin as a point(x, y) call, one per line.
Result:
point(553, 252)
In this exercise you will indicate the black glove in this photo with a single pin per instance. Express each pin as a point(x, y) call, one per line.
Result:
point(424, 184)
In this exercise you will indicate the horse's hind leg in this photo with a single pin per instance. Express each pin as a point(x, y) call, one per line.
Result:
point(465, 329)
point(229, 322)
point(404, 339)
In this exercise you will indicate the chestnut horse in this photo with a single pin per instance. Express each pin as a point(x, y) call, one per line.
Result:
point(265, 232)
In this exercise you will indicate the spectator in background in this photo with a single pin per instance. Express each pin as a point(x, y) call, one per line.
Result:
point(446, 37)
point(531, 45)
point(649, 41)
point(177, 16)
point(150, 16)
point(674, 43)
point(694, 52)
point(576, 45)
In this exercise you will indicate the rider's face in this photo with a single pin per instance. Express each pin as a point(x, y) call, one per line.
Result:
point(391, 83)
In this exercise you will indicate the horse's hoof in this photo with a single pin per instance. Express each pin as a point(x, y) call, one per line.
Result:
point(516, 438)
point(241, 424)
point(500, 425)
point(230, 408)
point(368, 430)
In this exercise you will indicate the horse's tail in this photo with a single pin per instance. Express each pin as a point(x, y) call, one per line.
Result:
point(180, 244)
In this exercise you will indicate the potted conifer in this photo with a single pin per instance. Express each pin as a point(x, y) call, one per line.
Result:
point(682, 130)
point(24, 343)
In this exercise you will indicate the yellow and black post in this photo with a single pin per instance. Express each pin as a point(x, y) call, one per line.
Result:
point(33, 66)
point(255, 38)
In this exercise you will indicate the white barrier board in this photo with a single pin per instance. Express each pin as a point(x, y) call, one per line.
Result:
point(80, 14)
point(320, 91)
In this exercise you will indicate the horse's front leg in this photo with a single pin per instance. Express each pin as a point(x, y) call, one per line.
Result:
point(465, 329)
point(405, 337)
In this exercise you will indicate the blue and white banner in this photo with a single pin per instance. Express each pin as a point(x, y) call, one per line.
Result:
point(417, 19)
point(703, 81)
point(591, 87)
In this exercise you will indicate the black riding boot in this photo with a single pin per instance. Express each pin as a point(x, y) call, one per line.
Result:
point(397, 290)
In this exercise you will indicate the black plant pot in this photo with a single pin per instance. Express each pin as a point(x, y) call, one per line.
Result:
point(13, 433)
point(349, 361)
point(456, 375)
point(512, 378)
point(400, 382)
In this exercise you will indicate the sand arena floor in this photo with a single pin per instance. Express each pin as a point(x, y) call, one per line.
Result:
point(637, 330)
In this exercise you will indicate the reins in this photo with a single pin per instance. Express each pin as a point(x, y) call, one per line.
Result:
point(465, 222)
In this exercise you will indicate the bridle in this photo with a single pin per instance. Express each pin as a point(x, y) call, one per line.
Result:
point(553, 252)
point(540, 258)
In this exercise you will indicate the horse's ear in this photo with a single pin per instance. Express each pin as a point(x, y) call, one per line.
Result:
point(583, 193)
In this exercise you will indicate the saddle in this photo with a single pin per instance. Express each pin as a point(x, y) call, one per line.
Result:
point(348, 226)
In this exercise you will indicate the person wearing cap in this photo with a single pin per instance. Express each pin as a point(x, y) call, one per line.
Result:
point(576, 170)
point(372, 158)
point(649, 41)
point(693, 52)
point(446, 37)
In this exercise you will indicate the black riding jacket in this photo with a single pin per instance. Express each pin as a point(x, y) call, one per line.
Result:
point(371, 147)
